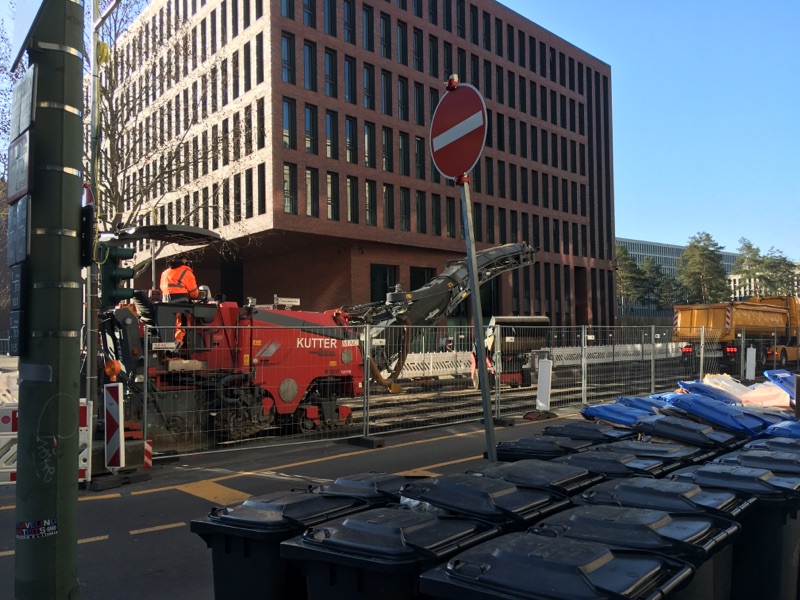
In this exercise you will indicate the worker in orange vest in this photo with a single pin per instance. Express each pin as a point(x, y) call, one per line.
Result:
point(178, 284)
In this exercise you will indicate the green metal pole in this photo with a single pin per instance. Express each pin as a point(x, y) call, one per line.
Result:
point(47, 466)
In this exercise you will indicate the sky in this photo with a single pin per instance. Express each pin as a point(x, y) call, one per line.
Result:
point(706, 114)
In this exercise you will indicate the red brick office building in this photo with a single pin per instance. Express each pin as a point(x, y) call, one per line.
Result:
point(332, 196)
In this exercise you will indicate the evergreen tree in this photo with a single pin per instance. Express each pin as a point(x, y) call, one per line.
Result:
point(630, 283)
point(700, 271)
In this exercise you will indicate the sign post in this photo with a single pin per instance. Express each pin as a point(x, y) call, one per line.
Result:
point(457, 137)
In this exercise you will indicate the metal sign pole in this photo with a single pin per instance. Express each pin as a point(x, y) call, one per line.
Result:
point(477, 316)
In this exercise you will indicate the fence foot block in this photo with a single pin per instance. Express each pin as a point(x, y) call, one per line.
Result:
point(107, 482)
point(504, 421)
point(368, 442)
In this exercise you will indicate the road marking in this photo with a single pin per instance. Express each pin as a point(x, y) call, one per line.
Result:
point(215, 493)
point(99, 538)
point(7, 553)
point(156, 528)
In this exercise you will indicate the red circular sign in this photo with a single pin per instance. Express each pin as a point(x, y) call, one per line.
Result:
point(458, 131)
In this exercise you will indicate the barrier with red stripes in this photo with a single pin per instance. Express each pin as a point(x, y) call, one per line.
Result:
point(114, 424)
point(9, 423)
point(148, 454)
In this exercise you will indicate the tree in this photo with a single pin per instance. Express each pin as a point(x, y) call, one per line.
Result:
point(629, 280)
point(8, 79)
point(778, 275)
point(748, 267)
point(154, 159)
point(700, 271)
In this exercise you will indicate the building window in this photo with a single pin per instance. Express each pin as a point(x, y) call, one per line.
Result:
point(371, 203)
point(333, 196)
point(289, 127)
point(312, 192)
point(405, 166)
point(416, 49)
point(310, 13)
point(329, 9)
point(351, 191)
point(369, 86)
point(331, 85)
point(331, 134)
point(386, 35)
point(287, 60)
point(473, 24)
point(433, 12)
point(386, 93)
point(290, 188)
point(422, 213)
point(309, 66)
point(405, 209)
point(420, 157)
point(287, 8)
point(311, 129)
point(450, 216)
point(433, 56)
point(368, 29)
point(350, 79)
point(349, 21)
point(350, 141)
point(387, 150)
point(419, 104)
point(436, 214)
point(388, 206)
point(433, 100)
point(402, 43)
point(402, 98)
point(369, 144)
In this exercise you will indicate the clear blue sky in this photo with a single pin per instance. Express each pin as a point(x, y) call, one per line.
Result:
point(706, 113)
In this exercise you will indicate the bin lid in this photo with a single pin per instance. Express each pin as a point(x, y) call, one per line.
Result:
point(709, 391)
point(790, 429)
point(616, 464)
point(669, 495)
point(762, 483)
point(690, 537)
point(650, 404)
point(586, 430)
point(523, 565)
point(372, 486)
point(483, 497)
point(611, 412)
point(282, 511)
point(388, 538)
point(775, 461)
point(542, 474)
point(540, 446)
point(781, 444)
point(726, 416)
point(675, 452)
point(684, 430)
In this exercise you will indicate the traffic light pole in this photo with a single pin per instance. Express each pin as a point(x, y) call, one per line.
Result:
point(47, 464)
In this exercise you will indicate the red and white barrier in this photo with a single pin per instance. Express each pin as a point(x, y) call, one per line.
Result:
point(9, 424)
point(148, 454)
point(115, 419)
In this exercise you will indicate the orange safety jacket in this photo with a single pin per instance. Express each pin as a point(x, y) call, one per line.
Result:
point(178, 283)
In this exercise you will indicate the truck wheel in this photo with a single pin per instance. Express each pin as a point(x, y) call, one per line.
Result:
point(784, 359)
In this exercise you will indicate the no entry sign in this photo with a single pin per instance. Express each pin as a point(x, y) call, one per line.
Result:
point(458, 131)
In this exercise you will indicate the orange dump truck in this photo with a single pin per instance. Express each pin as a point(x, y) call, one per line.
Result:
point(767, 323)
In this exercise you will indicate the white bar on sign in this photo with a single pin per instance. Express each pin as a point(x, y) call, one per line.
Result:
point(455, 133)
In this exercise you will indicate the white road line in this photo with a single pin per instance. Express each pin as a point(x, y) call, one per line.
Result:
point(455, 133)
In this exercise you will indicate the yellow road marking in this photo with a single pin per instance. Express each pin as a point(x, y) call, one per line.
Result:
point(101, 497)
point(156, 528)
point(99, 538)
point(7, 553)
point(418, 473)
point(215, 493)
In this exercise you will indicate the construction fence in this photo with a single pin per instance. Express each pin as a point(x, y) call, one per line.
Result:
point(282, 393)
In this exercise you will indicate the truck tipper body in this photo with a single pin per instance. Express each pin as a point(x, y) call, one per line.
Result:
point(767, 323)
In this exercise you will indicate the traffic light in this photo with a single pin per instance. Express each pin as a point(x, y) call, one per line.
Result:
point(112, 275)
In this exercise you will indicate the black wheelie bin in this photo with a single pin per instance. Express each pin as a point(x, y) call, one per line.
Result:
point(379, 554)
point(766, 556)
point(534, 567)
point(542, 447)
point(533, 473)
point(702, 540)
point(245, 539)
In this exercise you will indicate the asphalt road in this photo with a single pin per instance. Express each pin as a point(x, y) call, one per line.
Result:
point(134, 540)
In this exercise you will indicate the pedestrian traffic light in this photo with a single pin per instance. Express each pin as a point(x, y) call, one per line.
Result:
point(112, 275)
